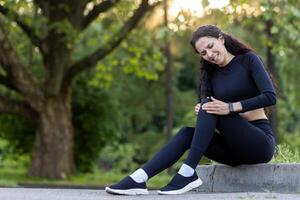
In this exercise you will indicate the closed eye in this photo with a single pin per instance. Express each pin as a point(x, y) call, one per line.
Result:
point(209, 46)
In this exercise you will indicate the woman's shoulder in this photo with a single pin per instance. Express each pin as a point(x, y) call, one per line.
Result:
point(249, 55)
point(252, 61)
point(249, 58)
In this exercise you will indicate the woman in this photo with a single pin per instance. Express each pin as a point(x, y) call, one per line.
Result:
point(234, 89)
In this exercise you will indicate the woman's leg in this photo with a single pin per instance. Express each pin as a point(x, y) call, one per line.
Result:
point(244, 142)
point(170, 153)
point(217, 150)
point(182, 141)
point(166, 157)
point(186, 179)
point(204, 131)
point(240, 142)
point(247, 140)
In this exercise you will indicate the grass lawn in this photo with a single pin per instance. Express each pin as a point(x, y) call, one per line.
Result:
point(13, 177)
point(12, 174)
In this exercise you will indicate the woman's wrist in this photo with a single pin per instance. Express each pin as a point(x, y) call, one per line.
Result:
point(230, 107)
point(237, 107)
point(234, 107)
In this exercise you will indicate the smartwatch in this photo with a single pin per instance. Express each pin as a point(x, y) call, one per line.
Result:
point(230, 106)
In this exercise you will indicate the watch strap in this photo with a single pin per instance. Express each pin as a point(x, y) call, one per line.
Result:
point(230, 105)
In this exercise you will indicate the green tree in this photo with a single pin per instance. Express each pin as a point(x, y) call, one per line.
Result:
point(45, 99)
point(96, 119)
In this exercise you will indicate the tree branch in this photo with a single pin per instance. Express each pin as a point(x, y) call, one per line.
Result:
point(98, 9)
point(8, 105)
point(90, 60)
point(19, 76)
point(25, 27)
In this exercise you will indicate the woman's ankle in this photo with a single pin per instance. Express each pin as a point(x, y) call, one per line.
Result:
point(139, 176)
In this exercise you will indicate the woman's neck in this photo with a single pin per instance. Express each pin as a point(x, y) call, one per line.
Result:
point(228, 58)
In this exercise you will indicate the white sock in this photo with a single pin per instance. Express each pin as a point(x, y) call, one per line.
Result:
point(186, 170)
point(139, 176)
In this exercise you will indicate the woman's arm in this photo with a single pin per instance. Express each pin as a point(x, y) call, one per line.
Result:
point(263, 82)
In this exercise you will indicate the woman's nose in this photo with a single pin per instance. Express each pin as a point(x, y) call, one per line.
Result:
point(209, 54)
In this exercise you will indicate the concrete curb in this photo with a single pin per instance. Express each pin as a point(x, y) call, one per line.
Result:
point(250, 178)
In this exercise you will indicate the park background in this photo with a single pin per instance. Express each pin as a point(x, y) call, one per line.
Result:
point(91, 89)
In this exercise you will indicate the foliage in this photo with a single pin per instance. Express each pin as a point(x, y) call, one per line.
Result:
point(292, 139)
point(118, 157)
point(285, 16)
point(130, 73)
point(18, 133)
point(147, 145)
point(286, 154)
point(96, 121)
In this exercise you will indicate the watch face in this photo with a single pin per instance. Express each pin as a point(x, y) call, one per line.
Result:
point(230, 107)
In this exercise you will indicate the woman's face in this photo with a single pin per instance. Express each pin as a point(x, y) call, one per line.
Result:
point(212, 49)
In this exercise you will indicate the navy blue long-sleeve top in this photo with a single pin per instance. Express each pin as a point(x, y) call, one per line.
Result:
point(246, 80)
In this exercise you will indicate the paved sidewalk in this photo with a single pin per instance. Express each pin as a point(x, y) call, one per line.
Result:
point(77, 194)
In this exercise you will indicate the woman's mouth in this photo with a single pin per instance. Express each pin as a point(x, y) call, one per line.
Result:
point(214, 59)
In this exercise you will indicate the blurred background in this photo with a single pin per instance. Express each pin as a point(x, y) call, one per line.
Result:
point(91, 89)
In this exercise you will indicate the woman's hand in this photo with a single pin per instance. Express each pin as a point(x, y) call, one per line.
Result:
point(197, 108)
point(216, 107)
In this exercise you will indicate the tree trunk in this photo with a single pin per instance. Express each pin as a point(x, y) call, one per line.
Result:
point(168, 78)
point(53, 150)
point(271, 65)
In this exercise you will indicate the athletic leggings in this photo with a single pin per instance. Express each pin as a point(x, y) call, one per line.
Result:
point(237, 142)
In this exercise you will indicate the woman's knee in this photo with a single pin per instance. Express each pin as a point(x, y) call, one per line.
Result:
point(268, 155)
point(204, 113)
point(207, 99)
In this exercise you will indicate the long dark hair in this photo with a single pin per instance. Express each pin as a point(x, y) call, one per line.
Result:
point(232, 45)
